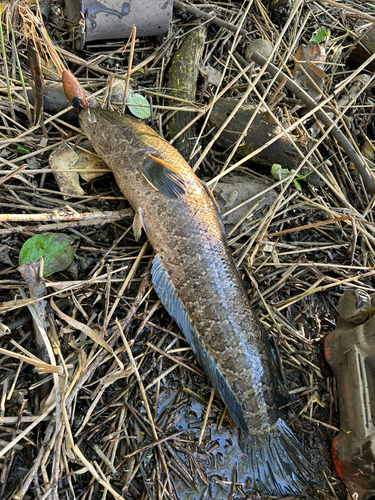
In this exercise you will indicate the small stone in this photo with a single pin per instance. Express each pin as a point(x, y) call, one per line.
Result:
point(233, 190)
point(260, 45)
point(213, 75)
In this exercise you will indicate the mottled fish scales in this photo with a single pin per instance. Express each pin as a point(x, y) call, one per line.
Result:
point(198, 283)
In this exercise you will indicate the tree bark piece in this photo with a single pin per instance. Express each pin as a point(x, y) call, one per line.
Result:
point(262, 129)
point(182, 78)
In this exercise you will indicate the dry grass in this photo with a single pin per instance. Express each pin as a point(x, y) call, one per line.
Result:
point(127, 412)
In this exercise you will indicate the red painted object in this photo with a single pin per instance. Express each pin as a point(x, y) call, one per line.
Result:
point(73, 91)
point(350, 350)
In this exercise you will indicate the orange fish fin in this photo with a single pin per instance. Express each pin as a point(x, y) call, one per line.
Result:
point(163, 177)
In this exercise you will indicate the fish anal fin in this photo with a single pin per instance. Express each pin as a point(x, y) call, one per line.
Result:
point(168, 296)
point(163, 177)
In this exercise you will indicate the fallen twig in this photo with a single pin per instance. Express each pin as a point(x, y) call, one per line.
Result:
point(357, 12)
point(45, 367)
point(308, 226)
point(75, 219)
point(13, 173)
point(68, 215)
point(183, 7)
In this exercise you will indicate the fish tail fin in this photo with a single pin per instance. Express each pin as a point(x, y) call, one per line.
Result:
point(276, 461)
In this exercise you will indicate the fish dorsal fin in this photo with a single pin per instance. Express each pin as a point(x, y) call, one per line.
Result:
point(167, 293)
point(163, 177)
point(212, 198)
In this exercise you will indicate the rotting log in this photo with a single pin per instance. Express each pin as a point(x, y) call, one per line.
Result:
point(259, 133)
point(182, 79)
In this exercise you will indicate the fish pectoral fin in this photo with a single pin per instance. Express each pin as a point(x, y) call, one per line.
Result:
point(163, 177)
point(137, 227)
point(139, 223)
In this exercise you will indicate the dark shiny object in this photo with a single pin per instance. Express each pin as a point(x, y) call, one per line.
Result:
point(77, 104)
point(350, 350)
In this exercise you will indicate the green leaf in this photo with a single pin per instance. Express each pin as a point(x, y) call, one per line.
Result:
point(23, 150)
point(140, 70)
point(56, 250)
point(142, 111)
point(280, 173)
point(319, 35)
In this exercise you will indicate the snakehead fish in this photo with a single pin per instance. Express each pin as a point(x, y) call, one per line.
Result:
point(199, 285)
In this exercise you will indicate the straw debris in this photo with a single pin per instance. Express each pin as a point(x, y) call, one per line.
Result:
point(128, 412)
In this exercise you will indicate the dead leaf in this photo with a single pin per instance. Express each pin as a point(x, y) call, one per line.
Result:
point(213, 75)
point(309, 69)
point(38, 81)
point(63, 164)
point(15, 304)
point(88, 162)
point(315, 69)
point(368, 150)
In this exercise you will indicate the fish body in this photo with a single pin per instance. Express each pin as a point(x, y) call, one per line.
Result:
point(198, 283)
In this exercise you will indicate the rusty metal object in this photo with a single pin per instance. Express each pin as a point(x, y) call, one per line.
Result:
point(111, 19)
point(350, 350)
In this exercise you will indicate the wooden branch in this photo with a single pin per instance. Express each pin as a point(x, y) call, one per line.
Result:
point(182, 79)
point(74, 218)
point(183, 7)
